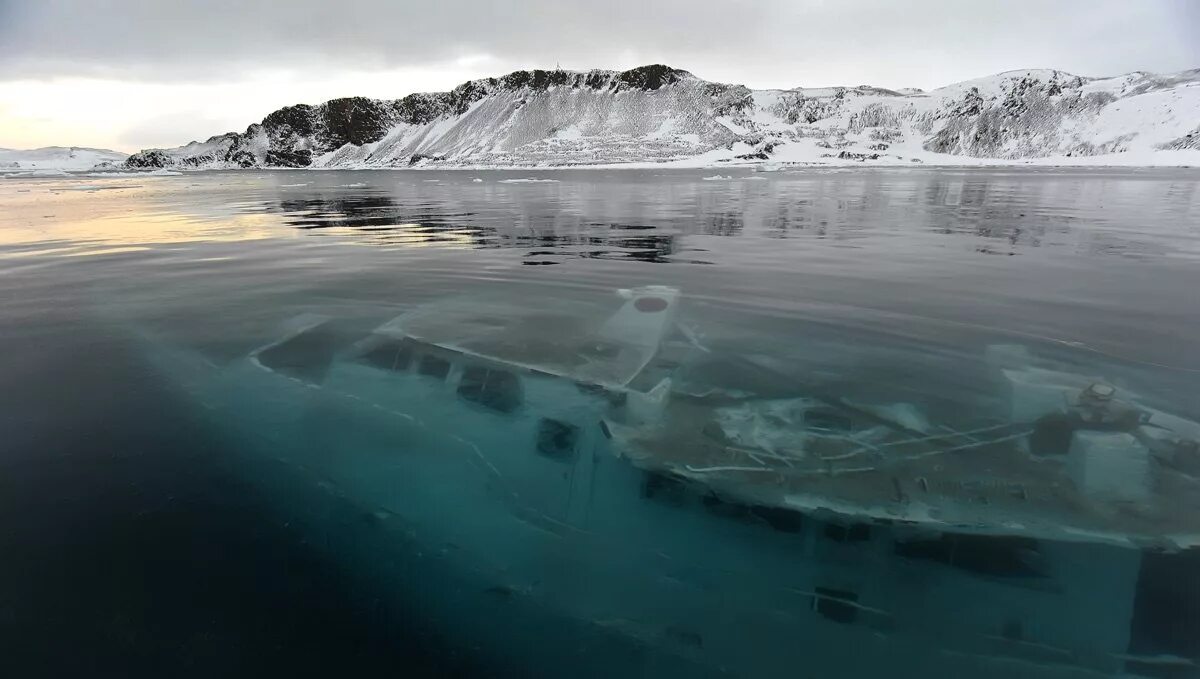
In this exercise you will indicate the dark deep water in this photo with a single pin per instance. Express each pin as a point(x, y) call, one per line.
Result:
point(136, 539)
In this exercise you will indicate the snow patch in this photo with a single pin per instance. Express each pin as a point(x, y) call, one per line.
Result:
point(569, 132)
point(1032, 116)
point(58, 158)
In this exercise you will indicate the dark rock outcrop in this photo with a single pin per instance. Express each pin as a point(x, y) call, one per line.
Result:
point(296, 134)
point(1188, 142)
point(148, 159)
point(650, 77)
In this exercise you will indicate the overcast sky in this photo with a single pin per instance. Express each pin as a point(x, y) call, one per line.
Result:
point(128, 74)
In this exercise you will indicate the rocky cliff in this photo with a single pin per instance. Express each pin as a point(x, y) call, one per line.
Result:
point(658, 113)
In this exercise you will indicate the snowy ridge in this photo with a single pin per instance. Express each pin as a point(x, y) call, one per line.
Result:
point(658, 114)
point(57, 158)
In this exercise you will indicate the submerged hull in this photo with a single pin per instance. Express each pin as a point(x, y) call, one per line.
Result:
point(1056, 456)
point(994, 489)
point(553, 516)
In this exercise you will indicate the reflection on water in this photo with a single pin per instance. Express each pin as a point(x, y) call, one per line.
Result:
point(389, 490)
point(384, 220)
point(1127, 213)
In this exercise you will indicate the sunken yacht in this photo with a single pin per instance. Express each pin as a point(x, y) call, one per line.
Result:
point(581, 462)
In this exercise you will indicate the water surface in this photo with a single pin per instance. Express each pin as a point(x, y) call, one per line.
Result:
point(146, 542)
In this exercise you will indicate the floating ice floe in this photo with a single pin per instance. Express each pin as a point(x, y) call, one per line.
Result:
point(38, 173)
point(529, 180)
point(135, 173)
point(100, 187)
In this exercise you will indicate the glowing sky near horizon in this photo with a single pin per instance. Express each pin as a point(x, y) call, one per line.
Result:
point(126, 74)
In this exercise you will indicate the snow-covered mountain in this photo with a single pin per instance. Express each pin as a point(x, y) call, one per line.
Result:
point(57, 158)
point(661, 114)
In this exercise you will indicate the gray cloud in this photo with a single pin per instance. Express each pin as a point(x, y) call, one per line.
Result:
point(168, 129)
point(763, 43)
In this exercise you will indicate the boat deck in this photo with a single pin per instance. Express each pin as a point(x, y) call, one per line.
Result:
point(978, 479)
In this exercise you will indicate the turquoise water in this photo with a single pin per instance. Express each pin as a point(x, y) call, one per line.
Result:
point(170, 508)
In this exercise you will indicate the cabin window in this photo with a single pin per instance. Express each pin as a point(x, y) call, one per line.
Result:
point(855, 532)
point(557, 439)
point(498, 390)
point(434, 366)
point(780, 519)
point(729, 509)
point(836, 604)
point(993, 555)
point(391, 355)
point(1165, 610)
point(775, 518)
point(306, 356)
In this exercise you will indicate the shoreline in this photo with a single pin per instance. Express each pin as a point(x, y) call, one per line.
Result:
point(940, 161)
